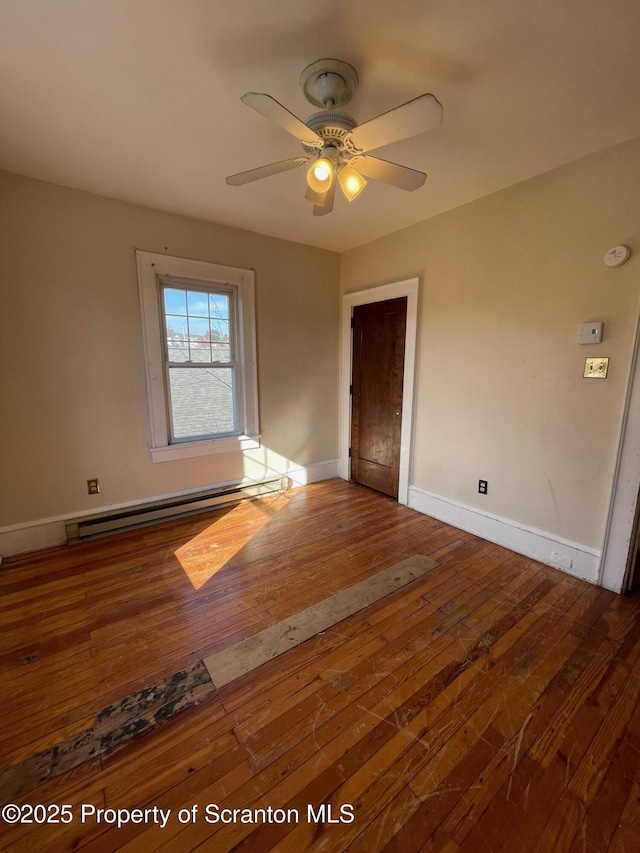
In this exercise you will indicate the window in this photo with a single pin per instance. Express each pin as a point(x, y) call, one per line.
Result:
point(199, 338)
point(200, 361)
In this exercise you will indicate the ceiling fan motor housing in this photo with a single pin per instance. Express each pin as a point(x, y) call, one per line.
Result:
point(334, 129)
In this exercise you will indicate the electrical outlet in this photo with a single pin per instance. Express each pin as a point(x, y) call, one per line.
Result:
point(93, 487)
point(483, 487)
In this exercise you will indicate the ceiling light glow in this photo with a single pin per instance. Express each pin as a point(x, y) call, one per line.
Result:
point(351, 182)
point(320, 175)
point(321, 170)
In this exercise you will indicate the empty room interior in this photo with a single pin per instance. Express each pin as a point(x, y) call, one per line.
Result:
point(320, 401)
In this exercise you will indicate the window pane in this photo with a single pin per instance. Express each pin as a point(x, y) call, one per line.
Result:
point(176, 333)
point(178, 351)
point(198, 328)
point(199, 345)
point(198, 304)
point(219, 305)
point(221, 345)
point(200, 353)
point(219, 329)
point(176, 326)
point(175, 301)
point(220, 351)
point(202, 401)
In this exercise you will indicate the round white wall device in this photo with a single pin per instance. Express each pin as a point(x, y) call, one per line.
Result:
point(617, 256)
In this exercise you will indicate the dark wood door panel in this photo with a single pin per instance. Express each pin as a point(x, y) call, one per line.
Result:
point(377, 378)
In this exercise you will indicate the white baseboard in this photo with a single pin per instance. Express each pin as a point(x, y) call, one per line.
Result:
point(570, 557)
point(32, 536)
point(302, 475)
point(49, 532)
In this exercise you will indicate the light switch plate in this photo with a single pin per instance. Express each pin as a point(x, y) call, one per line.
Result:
point(596, 368)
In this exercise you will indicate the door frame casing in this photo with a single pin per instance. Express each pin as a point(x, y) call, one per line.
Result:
point(620, 526)
point(409, 288)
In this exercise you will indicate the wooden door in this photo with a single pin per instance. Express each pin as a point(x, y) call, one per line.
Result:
point(376, 402)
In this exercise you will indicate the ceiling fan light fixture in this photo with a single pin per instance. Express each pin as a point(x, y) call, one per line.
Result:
point(332, 140)
point(351, 182)
point(322, 170)
point(320, 175)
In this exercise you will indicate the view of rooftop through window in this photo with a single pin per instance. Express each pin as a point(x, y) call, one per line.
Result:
point(200, 362)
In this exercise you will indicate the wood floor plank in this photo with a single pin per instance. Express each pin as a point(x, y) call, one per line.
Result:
point(432, 810)
point(603, 812)
point(518, 809)
point(564, 823)
point(588, 776)
point(627, 833)
point(492, 704)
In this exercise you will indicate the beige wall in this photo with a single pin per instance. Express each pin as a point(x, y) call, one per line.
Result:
point(73, 397)
point(505, 282)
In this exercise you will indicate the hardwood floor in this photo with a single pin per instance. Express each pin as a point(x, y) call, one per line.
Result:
point(490, 705)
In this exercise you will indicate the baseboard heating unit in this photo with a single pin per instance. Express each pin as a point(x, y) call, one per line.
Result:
point(154, 511)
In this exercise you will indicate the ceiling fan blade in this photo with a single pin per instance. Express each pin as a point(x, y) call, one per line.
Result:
point(272, 109)
point(317, 198)
point(264, 171)
point(410, 119)
point(382, 170)
point(327, 207)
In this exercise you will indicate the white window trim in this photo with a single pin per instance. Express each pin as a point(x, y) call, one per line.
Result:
point(150, 267)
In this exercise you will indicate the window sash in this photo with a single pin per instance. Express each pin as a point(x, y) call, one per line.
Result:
point(178, 415)
point(173, 416)
point(188, 317)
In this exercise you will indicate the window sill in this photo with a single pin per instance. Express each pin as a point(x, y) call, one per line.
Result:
point(204, 448)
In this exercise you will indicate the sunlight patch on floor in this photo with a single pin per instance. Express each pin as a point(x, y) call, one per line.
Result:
point(210, 551)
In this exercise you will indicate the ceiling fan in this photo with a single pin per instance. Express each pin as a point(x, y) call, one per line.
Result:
point(335, 144)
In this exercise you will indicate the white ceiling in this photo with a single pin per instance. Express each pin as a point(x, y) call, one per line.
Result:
point(140, 99)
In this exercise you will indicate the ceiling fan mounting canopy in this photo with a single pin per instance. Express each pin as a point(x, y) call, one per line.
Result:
point(329, 83)
point(335, 144)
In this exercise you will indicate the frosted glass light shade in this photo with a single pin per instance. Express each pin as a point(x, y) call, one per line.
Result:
point(351, 182)
point(320, 175)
